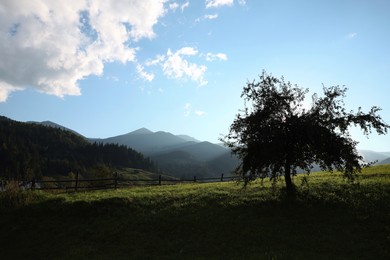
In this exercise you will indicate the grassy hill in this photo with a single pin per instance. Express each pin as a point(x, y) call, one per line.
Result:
point(328, 219)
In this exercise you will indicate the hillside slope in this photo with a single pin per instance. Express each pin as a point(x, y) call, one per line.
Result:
point(34, 150)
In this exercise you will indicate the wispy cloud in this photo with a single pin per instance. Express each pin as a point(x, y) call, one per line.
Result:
point(187, 109)
point(56, 44)
point(143, 74)
point(351, 35)
point(173, 6)
point(218, 3)
point(242, 2)
point(199, 113)
point(207, 17)
point(113, 78)
point(184, 6)
point(211, 16)
point(157, 60)
point(216, 56)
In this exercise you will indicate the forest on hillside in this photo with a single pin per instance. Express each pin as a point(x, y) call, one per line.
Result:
point(30, 150)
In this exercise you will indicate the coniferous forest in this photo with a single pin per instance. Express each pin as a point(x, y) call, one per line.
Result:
point(30, 150)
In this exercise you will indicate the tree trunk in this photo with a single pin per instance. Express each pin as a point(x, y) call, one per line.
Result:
point(287, 176)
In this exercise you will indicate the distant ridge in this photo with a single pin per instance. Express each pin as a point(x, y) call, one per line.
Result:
point(179, 155)
point(386, 161)
point(188, 138)
point(55, 125)
point(372, 156)
point(141, 131)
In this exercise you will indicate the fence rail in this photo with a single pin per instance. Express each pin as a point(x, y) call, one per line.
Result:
point(109, 183)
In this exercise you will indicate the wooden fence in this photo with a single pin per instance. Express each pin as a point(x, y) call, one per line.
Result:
point(111, 183)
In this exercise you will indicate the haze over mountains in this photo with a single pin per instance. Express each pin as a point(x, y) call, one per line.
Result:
point(167, 148)
point(177, 155)
point(371, 156)
point(184, 156)
point(180, 155)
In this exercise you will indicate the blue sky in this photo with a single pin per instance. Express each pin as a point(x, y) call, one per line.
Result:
point(105, 68)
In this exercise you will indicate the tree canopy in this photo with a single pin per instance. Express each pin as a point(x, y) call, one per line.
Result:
point(274, 135)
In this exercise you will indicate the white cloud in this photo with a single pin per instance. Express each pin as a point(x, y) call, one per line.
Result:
point(218, 3)
point(211, 16)
point(175, 66)
point(189, 51)
point(207, 17)
point(242, 2)
point(155, 61)
point(51, 45)
point(143, 74)
point(199, 113)
point(6, 90)
point(217, 56)
point(187, 109)
point(173, 6)
point(184, 6)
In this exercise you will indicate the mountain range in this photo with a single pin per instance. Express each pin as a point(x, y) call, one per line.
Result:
point(184, 156)
point(179, 155)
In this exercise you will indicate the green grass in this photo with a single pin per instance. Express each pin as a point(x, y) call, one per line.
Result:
point(327, 219)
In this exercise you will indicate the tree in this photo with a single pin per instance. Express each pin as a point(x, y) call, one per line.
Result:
point(275, 135)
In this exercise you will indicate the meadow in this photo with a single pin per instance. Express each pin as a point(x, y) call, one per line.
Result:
point(328, 218)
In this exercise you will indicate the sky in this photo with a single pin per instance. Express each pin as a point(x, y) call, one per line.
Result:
point(109, 67)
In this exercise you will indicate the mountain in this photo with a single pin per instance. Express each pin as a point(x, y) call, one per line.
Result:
point(34, 150)
point(141, 131)
point(224, 163)
point(54, 125)
point(386, 161)
point(179, 155)
point(203, 151)
point(146, 141)
point(188, 138)
point(48, 148)
point(372, 156)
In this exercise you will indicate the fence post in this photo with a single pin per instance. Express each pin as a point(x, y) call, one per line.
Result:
point(159, 179)
point(77, 181)
point(32, 184)
point(116, 180)
point(221, 177)
point(194, 178)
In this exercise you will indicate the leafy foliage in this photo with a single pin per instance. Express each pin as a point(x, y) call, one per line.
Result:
point(275, 135)
point(32, 151)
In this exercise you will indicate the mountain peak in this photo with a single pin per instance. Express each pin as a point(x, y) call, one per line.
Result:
point(54, 125)
point(142, 131)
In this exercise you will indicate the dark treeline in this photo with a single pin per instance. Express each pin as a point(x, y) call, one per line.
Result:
point(30, 150)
